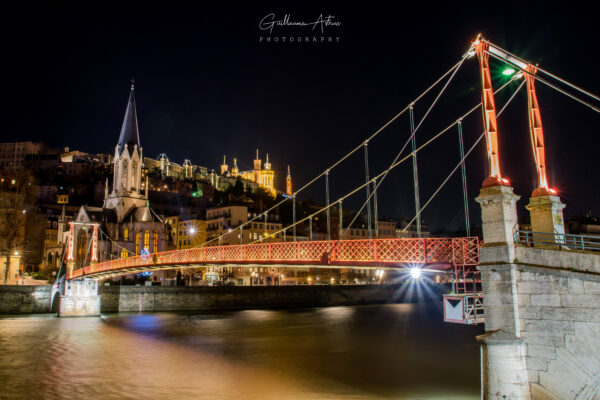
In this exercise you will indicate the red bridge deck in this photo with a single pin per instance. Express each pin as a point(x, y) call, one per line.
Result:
point(387, 253)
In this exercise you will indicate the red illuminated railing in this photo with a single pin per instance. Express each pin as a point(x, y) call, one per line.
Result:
point(455, 251)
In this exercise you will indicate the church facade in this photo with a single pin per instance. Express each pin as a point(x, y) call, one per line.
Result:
point(131, 225)
point(262, 175)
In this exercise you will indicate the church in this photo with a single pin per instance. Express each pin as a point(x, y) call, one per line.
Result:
point(127, 225)
point(128, 219)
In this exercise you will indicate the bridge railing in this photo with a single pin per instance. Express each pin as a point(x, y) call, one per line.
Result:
point(563, 241)
point(455, 251)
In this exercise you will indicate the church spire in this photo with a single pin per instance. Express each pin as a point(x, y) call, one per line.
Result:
point(224, 166)
point(129, 130)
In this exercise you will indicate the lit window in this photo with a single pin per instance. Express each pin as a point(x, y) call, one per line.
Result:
point(124, 253)
point(126, 234)
point(147, 239)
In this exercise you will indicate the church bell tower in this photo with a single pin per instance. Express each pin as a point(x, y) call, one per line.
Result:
point(126, 192)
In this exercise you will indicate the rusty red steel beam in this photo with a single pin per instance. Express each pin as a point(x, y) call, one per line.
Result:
point(375, 252)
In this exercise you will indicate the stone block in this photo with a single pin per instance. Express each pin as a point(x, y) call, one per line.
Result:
point(575, 286)
point(531, 312)
point(527, 276)
point(544, 338)
point(523, 300)
point(541, 351)
point(532, 375)
point(581, 300)
point(557, 327)
point(591, 287)
point(558, 285)
point(536, 364)
point(547, 300)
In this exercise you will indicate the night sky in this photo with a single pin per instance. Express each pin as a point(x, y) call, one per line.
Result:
point(207, 87)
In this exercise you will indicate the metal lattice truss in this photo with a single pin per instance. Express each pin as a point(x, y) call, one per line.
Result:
point(390, 253)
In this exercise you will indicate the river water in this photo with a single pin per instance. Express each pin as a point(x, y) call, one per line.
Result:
point(400, 351)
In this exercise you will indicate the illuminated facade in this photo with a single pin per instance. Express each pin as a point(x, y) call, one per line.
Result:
point(132, 227)
point(288, 183)
point(190, 233)
point(187, 170)
point(221, 224)
point(263, 175)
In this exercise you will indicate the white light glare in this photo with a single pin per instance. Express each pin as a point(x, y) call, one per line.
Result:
point(192, 231)
point(415, 272)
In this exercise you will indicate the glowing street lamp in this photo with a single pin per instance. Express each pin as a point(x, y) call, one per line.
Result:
point(415, 272)
point(508, 72)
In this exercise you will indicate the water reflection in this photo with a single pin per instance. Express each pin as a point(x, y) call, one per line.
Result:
point(365, 352)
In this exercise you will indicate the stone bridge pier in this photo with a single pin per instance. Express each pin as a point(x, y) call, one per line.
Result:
point(80, 299)
point(541, 304)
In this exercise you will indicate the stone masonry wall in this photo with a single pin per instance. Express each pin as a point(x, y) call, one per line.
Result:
point(555, 309)
point(157, 298)
point(559, 315)
point(24, 299)
point(36, 299)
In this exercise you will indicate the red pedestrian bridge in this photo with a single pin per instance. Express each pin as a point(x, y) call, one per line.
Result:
point(435, 253)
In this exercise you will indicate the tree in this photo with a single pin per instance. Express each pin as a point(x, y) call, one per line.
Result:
point(238, 188)
point(14, 190)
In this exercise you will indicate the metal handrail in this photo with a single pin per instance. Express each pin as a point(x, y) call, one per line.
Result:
point(456, 251)
point(562, 240)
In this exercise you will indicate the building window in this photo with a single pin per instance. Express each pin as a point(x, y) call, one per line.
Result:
point(124, 253)
point(155, 242)
point(137, 243)
point(126, 234)
point(147, 239)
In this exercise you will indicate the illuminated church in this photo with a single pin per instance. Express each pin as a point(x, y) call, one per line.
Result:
point(128, 219)
point(263, 175)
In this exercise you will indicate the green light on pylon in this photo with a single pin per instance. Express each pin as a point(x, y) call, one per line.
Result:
point(508, 72)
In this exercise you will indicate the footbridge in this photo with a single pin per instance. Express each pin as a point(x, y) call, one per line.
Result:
point(435, 253)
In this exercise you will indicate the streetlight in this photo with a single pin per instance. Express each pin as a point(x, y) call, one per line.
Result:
point(508, 71)
point(415, 273)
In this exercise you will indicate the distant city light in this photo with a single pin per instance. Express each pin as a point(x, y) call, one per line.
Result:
point(415, 272)
point(508, 71)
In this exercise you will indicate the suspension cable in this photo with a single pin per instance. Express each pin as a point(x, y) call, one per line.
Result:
point(464, 178)
point(373, 135)
point(115, 243)
point(396, 164)
point(327, 203)
point(367, 188)
point(375, 211)
point(414, 165)
point(553, 86)
point(433, 138)
point(558, 78)
point(461, 161)
point(463, 58)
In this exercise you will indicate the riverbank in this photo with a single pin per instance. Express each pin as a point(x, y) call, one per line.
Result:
point(36, 299)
